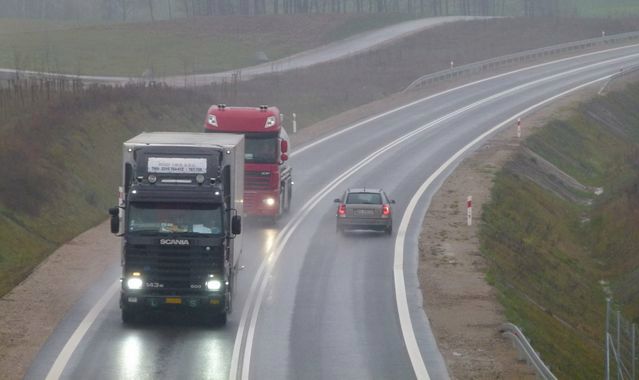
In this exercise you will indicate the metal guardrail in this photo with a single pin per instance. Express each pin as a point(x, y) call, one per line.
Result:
point(524, 56)
point(526, 351)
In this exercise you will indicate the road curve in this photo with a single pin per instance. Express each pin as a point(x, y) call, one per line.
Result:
point(313, 304)
point(330, 52)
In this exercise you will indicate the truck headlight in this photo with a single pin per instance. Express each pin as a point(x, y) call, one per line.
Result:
point(134, 283)
point(214, 285)
point(269, 201)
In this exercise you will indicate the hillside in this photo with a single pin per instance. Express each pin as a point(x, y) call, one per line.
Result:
point(177, 47)
point(552, 244)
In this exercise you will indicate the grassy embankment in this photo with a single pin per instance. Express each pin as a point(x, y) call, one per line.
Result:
point(184, 46)
point(60, 165)
point(548, 252)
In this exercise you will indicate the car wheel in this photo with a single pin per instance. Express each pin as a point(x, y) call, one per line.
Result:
point(389, 230)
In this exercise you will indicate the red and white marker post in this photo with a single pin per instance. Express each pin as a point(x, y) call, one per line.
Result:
point(519, 128)
point(469, 210)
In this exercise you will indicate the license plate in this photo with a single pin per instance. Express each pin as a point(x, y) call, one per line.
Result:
point(173, 300)
point(364, 212)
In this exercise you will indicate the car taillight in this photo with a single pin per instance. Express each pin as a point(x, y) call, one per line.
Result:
point(341, 211)
point(385, 210)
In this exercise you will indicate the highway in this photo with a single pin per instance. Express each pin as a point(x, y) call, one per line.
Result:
point(310, 303)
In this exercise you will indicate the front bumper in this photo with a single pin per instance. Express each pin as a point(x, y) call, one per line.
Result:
point(364, 223)
point(255, 205)
point(143, 302)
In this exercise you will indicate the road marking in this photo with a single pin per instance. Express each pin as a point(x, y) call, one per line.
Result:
point(398, 267)
point(254, 301)
point(69, 348)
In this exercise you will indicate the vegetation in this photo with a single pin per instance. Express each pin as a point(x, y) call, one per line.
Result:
point(201, 45)
point(549, 255)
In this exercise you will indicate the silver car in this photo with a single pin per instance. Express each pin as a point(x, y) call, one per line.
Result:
point(364, 209)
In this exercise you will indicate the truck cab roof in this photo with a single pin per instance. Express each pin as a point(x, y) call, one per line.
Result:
point(263, 119)
point(184, 139)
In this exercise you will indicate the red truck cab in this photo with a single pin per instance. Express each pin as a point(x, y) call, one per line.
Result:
point(267, 176)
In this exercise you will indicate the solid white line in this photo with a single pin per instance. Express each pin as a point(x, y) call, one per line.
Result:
point(69, 348)
point(371, 119)
point(398, 267)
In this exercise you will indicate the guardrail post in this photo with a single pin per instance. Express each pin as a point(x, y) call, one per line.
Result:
point(607, 337)
point(618, 356)
point(634, 352)
point(294, 123)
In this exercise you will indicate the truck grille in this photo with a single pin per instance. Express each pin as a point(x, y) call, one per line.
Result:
point(257, 180)
point(175, 268)
point(250, 201)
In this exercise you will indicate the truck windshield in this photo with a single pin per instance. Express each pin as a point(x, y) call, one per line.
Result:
point(261, 148)
point(149, 217)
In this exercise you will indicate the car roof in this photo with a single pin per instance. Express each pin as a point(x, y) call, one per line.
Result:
point(364, 190)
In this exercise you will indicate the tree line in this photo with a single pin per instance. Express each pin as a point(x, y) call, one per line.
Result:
point(137, 10)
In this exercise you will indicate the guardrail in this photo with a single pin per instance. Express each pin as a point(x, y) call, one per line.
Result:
point(526, 351)
point(524, 56)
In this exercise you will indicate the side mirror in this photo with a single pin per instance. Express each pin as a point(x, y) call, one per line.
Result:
point(115, 220)
point(392, 201)
point(337, 200)
point(284, 146)
point(236, 225)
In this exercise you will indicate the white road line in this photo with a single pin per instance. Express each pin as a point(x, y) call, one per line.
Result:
point(309, 205)
point(398, 267)
point(69, 348)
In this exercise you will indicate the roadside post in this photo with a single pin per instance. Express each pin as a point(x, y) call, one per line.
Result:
point(469, 210)
point(518, 128)
point(294, 123)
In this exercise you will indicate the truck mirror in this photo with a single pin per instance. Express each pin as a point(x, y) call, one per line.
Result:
point(115, 220)
point(284, 146)
point(284, 157)
point(236, 225)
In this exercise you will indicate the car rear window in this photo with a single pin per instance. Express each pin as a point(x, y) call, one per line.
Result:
point(364, 198)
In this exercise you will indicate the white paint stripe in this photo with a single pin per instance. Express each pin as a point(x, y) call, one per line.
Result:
point(306, 209)
point(398, 267)
point(69, 348)
point(359, 124)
